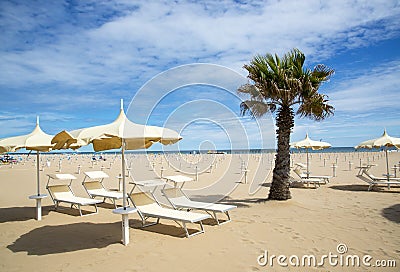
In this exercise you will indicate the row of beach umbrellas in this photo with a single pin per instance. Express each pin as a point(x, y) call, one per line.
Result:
point(384, 141)
point(126, 135)
point(120, 134)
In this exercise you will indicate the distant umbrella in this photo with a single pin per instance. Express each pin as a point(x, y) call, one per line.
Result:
point(38, 141)
point(307, 143)
point(384, 141)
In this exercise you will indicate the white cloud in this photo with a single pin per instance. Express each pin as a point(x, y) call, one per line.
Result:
point(70, 57)
point(120, 40)
point(371, 90)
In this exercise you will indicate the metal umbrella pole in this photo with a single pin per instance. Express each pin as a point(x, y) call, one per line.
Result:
point(38, 197)
point(308, 165)
point(124, 210)
point(387, 164)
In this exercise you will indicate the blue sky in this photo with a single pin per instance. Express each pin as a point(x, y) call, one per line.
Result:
point(70, 62)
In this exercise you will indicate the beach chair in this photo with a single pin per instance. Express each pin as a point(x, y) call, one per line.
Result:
point(315, 181)
point(95, 187)
point(148, 207)
point(178, 179)
point(371, 176)
point(373, 180)
point(146, 185)
point(62, 193)
point(179, 200)
point(302, 175)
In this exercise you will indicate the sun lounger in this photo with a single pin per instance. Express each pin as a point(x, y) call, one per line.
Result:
point(95, 188)
point(302, 175)
point(315, 181)
point(301, 165)
point(373, 180)
point(179, 200)
point(145, 185)
point(178, 179)
point(371, 176)
point(64, 194)
point(148, 207)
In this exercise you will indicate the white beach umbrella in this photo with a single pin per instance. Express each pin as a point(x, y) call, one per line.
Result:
point(384, 141)
point(38, 141)
point(307, 143)
point(124, 134)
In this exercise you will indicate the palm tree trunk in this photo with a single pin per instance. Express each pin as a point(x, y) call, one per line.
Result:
point(280, 180)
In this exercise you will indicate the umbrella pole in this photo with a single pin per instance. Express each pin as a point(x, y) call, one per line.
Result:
point(387, 164)
point(124, 211)
point(37, 173)
point(38, 197)
point(125, 218)
point(123, 175)
point(308, 167)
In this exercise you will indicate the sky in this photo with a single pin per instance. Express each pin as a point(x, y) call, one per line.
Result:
point(178, 64)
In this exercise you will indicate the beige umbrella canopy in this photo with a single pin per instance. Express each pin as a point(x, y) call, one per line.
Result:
point(38, 141)
point(122, 133)
point(384, 141)
point(111, 136)
point(307, 143)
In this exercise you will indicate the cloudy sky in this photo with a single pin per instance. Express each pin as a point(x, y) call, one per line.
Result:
point(178, 63)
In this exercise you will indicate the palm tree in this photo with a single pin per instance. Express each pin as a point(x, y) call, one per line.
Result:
point(283, 86)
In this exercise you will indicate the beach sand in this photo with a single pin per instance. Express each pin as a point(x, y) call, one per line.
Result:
point(313, 222)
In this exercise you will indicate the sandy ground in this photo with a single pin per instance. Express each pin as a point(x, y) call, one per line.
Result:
point(314, 222)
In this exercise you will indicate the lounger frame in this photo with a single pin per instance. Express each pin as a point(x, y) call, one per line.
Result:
point(324, 179)
point(78, 202)
point(373, 181)
point(193, 205)
point(153, 201)
point(315, 181)
point(97, 180)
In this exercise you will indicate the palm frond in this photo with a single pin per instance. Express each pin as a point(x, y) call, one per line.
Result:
point(316, 108)
point(285, 82)
point(256, 108)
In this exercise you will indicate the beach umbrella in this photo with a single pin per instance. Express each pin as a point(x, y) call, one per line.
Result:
point(37, 141)
point(384, 141)
point(124, 134)
point(307, 143)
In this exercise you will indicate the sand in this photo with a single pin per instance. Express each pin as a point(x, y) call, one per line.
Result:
point(313, 222)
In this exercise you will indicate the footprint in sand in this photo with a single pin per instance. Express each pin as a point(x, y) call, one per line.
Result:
point(255, 268)
point(247, 241)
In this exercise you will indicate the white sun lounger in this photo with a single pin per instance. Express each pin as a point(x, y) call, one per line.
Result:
point(147, 184)
point(95, 188)
point(148, 207)
point(179, 200)
point(302, 175)
point(371, 176)
point(315, 181)
point(178, 179)
point(64, 194)
point(373, 180)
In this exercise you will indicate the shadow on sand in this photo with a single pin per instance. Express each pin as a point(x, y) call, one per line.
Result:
point(363, 188)
point(165, 227)
point(67, 238)
point(392, 213)
point(244, 203)
point(224, 200)
point(15, 214)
